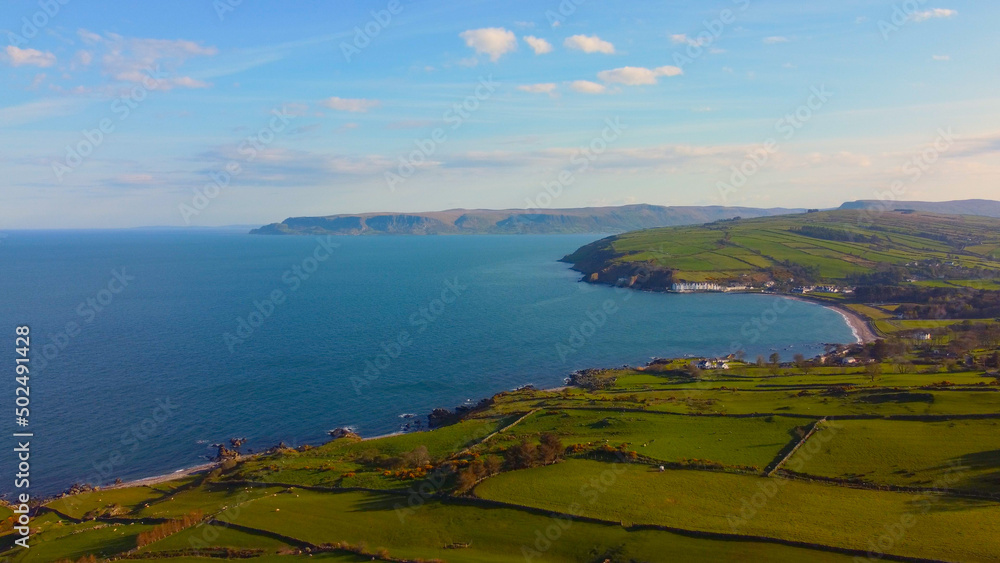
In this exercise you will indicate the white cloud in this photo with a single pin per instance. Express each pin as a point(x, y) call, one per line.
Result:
point(545, 88)
point(775, 39)
point(540, 46)
point(30, 57)
point(637, 76)
point(591, 44)
point(587, 87)
point(941, 57)
point(353, 105)
point(492, 41)
point(932, 14)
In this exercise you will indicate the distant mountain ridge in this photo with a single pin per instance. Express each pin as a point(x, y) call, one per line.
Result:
point(981, 207)
point(514, 221)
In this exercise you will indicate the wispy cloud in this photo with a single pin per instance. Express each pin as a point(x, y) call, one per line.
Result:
point(544, 88)
point(775, 39)
point(137, 60)
point(15, 56)
point(637, 76)
point(933, 14)
point(41, 109)
point(411, 124)
point(683, 39)
point(353, 105)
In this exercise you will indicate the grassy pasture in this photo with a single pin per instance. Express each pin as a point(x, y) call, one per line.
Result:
point(960, 454)
point(826, 514)
point(493, 535)
point(77, 506)
point(736, 441)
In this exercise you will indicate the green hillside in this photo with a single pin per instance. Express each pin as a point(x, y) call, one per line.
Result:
point(831, 246)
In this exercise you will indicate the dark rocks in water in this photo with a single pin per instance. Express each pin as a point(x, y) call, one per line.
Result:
point(78, 488)
point(225, 453)
point(443, 417)
point(338, 433)
point(237, 442)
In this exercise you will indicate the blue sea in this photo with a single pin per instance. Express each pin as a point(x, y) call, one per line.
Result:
point(148, 346)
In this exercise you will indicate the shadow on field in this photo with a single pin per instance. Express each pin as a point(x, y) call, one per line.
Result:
point(978, 472)
point(945, 503)
point(375, 503)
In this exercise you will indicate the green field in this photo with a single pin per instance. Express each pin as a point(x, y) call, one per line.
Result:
point(719, 438)
point(957, 454)
point(848, 243)
point(714, 502)
point(730, 441)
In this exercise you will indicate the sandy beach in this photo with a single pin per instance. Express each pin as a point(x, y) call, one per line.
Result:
point(157, 479)
point(863, 330)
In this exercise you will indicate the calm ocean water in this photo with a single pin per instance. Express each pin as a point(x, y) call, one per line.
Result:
point(134, 374)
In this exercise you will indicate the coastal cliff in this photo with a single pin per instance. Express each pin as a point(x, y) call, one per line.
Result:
point(512, 221)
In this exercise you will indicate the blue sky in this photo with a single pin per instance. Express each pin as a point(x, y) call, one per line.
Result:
point(227, 112)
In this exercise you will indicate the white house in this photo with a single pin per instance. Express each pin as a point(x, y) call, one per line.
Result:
point(688, 287)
